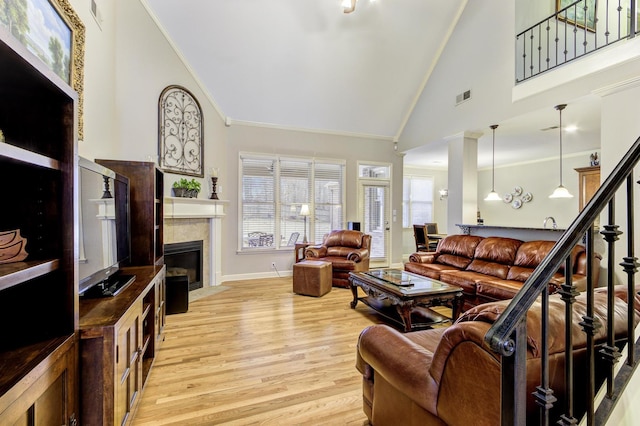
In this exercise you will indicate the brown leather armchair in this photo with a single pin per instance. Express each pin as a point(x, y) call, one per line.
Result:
point(448, 376)
point(347, 251)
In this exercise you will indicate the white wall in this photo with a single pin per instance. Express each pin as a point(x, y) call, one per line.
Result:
point(439, 206)
point(128, 62)
point(539, 178)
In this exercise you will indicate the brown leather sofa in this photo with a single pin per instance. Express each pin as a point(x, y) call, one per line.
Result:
point(448, 376)
point(494, 268)
point(348, 251)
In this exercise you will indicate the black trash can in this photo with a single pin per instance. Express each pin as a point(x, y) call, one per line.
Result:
point(177, 294)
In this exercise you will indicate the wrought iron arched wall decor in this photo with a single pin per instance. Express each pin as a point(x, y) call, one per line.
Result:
point(180, 147)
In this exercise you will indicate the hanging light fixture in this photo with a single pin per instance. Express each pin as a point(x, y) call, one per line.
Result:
point(493, 195)
point(561, 191)
point(348, 6)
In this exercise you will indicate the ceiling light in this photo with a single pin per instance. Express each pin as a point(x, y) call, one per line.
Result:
point(561, 191)
point(493, 195)
point(348, 6)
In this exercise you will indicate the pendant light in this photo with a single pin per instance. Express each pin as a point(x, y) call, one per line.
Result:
point(493, 195)
point(561, 191)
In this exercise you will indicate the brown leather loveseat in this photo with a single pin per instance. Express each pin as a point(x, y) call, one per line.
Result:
point(448, 376)
point(494, 268)
point(346, 250)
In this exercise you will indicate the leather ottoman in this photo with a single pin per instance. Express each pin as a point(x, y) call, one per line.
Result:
point(312, 278)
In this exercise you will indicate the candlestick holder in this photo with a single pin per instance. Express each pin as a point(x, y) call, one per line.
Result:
point(106, 193)
point(214, 184)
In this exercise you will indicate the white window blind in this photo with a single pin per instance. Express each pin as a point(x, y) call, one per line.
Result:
point(328, 185)
point(417, 200)
point(277, 187)
point(295, 190)
point(258, 201)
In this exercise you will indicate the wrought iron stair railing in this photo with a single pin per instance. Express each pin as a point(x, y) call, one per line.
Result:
point(508, 335)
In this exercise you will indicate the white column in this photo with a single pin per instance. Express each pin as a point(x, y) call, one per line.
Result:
point(462, 202)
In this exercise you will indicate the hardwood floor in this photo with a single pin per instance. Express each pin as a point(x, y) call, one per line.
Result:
point(259, 354)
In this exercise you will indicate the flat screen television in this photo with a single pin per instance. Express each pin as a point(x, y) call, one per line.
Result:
point(104, 230)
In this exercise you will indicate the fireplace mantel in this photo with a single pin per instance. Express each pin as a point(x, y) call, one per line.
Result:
point(191, 208)
point(180, 210)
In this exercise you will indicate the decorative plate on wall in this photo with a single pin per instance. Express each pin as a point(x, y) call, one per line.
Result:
point(517, 203)
point(517, 190)
point(527, 197)
point(507, 198)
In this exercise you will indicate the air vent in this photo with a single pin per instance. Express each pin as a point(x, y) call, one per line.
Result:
point(464, 96)
point(97, 15)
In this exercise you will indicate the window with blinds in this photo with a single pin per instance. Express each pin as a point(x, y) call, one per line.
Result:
point(275, 188)
point(417, 200)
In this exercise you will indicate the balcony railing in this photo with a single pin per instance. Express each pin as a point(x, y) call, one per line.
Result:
point(508, 335)
point(576, 30)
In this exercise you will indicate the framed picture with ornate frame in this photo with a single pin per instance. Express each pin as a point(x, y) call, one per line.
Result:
point(582, 14)
point(180, 132)
point(53, 32)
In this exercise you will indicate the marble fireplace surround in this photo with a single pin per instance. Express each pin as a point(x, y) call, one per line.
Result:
point(192, 219)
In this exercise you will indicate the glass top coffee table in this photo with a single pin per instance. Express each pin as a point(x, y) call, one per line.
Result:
point(405, 298)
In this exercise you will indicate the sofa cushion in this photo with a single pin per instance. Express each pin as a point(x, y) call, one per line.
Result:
point(465, 279)
point(494, 255)
point(498, 289)
point(430, 270)
point(531, 253)
point(457, 250)
point(344, 238)
point(518, 273)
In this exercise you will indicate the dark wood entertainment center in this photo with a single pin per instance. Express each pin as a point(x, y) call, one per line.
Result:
point(120, 336)
point(119, 340)
point(66, 360)
point(38, 296)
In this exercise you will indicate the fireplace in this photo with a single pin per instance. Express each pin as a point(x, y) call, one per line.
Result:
point(185, 259)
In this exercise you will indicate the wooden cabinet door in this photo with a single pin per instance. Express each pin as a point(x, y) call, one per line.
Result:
point(588, 182)
point(49, 395)
point(128, 367)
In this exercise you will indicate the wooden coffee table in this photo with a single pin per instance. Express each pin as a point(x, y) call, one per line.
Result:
point(405, 298)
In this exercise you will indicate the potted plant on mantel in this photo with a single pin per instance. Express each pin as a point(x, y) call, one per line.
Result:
point(186, 188)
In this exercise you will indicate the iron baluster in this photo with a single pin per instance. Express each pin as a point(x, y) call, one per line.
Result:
point(568, 293)
point(513, 375)
point(544, 394)
point(609, 351)
point(630, 267)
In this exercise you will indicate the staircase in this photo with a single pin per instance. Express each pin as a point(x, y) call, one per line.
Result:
point(507, 336)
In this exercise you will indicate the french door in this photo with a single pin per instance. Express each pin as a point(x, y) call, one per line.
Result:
point(375, 211)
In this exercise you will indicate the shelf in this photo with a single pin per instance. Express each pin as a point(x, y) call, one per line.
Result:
point(16, 364)
point(16, 273)
point(16, 153)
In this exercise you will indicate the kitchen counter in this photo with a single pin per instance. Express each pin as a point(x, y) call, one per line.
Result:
point(518, 232)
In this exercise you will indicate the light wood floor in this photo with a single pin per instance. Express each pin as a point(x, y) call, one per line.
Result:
point(259, 354)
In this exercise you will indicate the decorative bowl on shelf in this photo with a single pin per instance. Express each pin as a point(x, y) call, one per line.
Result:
point(7, 237)
point(12, 247)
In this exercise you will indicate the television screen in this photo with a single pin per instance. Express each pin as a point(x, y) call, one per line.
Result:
point(103, 232)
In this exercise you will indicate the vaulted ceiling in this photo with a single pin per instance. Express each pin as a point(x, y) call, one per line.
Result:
point(304, 64)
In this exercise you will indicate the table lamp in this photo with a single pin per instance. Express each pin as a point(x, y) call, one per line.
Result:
point(304, 212)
